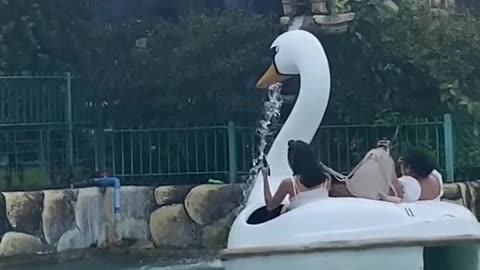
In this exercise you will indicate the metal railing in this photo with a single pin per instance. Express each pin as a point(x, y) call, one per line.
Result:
point(343, 146)
point(229, 150)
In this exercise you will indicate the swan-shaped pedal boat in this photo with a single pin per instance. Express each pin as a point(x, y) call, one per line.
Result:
point(339, 233)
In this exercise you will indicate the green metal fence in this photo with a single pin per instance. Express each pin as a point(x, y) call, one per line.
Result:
point(44, 121)
point(48, 135)
point(228, 151)
point(343, 146)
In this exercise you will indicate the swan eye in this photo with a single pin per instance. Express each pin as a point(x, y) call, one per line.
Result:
point(274, 50)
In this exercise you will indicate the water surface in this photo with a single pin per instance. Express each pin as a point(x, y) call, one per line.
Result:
point(124, 263)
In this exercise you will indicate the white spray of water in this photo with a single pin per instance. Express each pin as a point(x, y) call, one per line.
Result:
point(271, 112)
point(89, 215)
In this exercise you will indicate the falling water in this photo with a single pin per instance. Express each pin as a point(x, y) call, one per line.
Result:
point(271, 110)
point(89, 220)
point(89, 215)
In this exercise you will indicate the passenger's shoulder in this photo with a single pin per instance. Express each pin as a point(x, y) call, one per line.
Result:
point(286, 181)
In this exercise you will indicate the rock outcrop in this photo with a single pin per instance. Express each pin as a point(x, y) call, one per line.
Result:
point(172, 227)
point(206, 204)
point(24, 211)
point(215, 236)
point(166, 195)
point(4, 224)
point(14, 243)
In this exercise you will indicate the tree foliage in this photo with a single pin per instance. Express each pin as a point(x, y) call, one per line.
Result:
point(395, 65)
point(149, 70)
point(197, 68)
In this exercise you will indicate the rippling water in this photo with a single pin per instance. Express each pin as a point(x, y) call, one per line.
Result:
point(125, 263)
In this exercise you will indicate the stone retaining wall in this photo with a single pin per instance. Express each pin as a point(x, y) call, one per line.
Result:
point(167, 216)
point(163, 217)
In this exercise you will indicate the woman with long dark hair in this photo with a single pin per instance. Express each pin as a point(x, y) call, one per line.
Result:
point(309, 180)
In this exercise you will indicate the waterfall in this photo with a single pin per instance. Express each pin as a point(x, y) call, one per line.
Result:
point(89, 221)
point(95, 223)
point(90, 216)
point(136, 205)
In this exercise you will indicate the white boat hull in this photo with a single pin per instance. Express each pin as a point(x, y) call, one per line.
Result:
point(400, 258)
point(352, 219)
point(461, 257)
point(353, 233)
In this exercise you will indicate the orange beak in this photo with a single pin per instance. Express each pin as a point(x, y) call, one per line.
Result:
point(270, 77)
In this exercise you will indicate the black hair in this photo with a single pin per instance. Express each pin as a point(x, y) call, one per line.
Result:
point(419, 162)
point(303, 163)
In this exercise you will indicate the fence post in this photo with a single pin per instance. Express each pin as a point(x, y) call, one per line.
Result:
point(99, 139)
point(232, 152)
point(69, 118)
point(449, 148)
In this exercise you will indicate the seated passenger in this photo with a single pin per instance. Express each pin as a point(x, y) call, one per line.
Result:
point(309, 181)
point(419, 178)
point(374, 177)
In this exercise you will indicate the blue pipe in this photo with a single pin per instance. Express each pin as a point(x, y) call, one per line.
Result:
point(115, 183)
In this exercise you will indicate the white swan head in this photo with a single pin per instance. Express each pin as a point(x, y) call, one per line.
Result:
point(289, 50)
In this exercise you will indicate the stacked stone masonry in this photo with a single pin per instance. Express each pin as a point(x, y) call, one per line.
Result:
point(164, 217)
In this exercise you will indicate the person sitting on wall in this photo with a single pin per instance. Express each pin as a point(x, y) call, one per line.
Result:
point(309, 181)
point(420, 180)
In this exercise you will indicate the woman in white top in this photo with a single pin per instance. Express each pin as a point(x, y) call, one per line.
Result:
point(309, 181)
point(419, 180)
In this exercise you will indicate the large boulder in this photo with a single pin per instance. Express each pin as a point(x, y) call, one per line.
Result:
point(24, 211)
point(58, 214)
point(206, 204)
point(71, 239)
point(170, 226)
point(215, 236)
point(4, 226)
point(166, 195)
point(14, 243)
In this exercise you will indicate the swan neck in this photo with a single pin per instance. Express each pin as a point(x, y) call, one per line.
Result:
point(304, 119)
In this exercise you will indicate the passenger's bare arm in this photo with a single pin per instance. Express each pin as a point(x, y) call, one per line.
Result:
point(276, 200)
